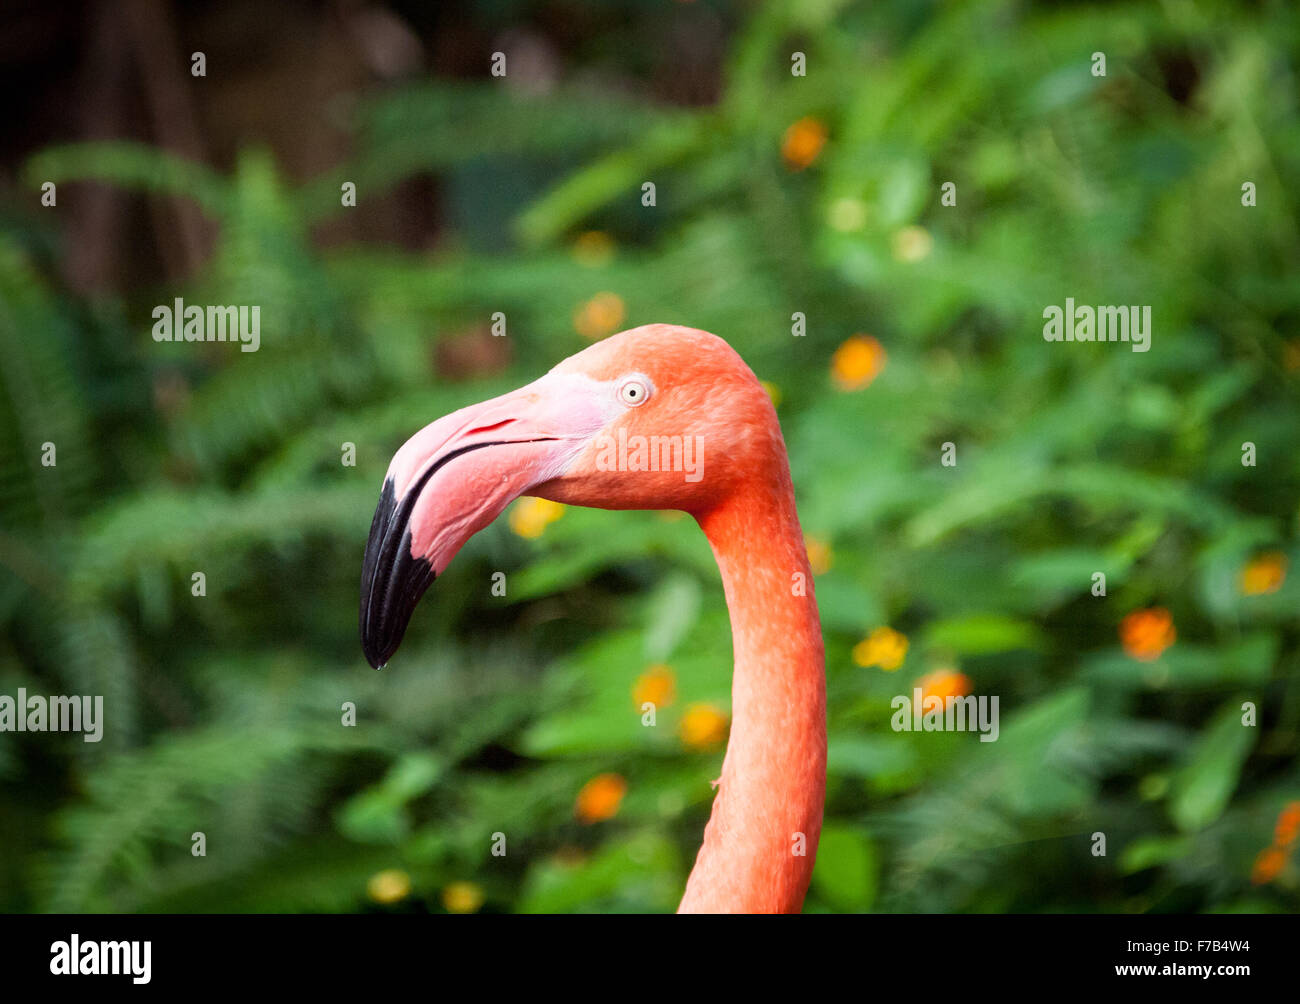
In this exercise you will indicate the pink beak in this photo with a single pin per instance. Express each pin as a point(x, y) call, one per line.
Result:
point(452, 478)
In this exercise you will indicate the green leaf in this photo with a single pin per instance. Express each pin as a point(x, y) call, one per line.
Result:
point(377, 815)
point(979, 634)
point(671, 612)
point(636, 874)
point(1201, 789)
point(846, 870)
point(1150, 852)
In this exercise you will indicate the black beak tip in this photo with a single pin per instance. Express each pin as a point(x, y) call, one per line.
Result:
point(374, 654)
point(392, 580)
point(382, 633)
point(387, 606)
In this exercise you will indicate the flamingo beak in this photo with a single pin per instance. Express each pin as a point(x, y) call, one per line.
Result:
point(452, 478)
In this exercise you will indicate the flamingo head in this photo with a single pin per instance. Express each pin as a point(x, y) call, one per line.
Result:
point(658, 417)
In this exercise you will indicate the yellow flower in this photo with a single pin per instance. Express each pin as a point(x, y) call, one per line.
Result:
point(820, 556)
point(602, 315)
point(802, 143)
point(600, 798)
point(389, 886)
point(773, 391)
point(593, 248)
point(1291, 355)
point(911, 244)
point(462, 897)
point(944, 683)
point(1145, 634)
point(703, 728)
point(884, 647)
point(531, 516)
point(1264, 574)
point(657, 686)
point(857, 362)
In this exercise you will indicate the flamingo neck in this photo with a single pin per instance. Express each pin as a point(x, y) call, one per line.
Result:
point(761, 839)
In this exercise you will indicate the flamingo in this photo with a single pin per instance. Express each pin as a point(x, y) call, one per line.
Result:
point(550, 439)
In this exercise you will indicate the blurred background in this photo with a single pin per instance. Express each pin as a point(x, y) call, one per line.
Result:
point(783, 203)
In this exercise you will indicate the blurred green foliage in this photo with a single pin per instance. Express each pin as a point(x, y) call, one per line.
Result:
point(224, 711)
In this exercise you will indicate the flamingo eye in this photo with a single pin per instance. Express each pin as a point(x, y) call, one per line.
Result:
point(633, 391)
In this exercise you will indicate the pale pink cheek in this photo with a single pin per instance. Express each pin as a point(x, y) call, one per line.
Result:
point(467, 495)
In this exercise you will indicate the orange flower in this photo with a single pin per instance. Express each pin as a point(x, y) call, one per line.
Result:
point(944, 683)
point(462, 897)
point(390, 886)
point(1268, 865)
point(600, 798)
point(531, 516)
point(1288, 825)
point(602, 315)
point(657, 686)
point(802, 143)
point(1147, 633)
point(1264, 574)
point(857, 362)
point(820, 555)
point(703, 728)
